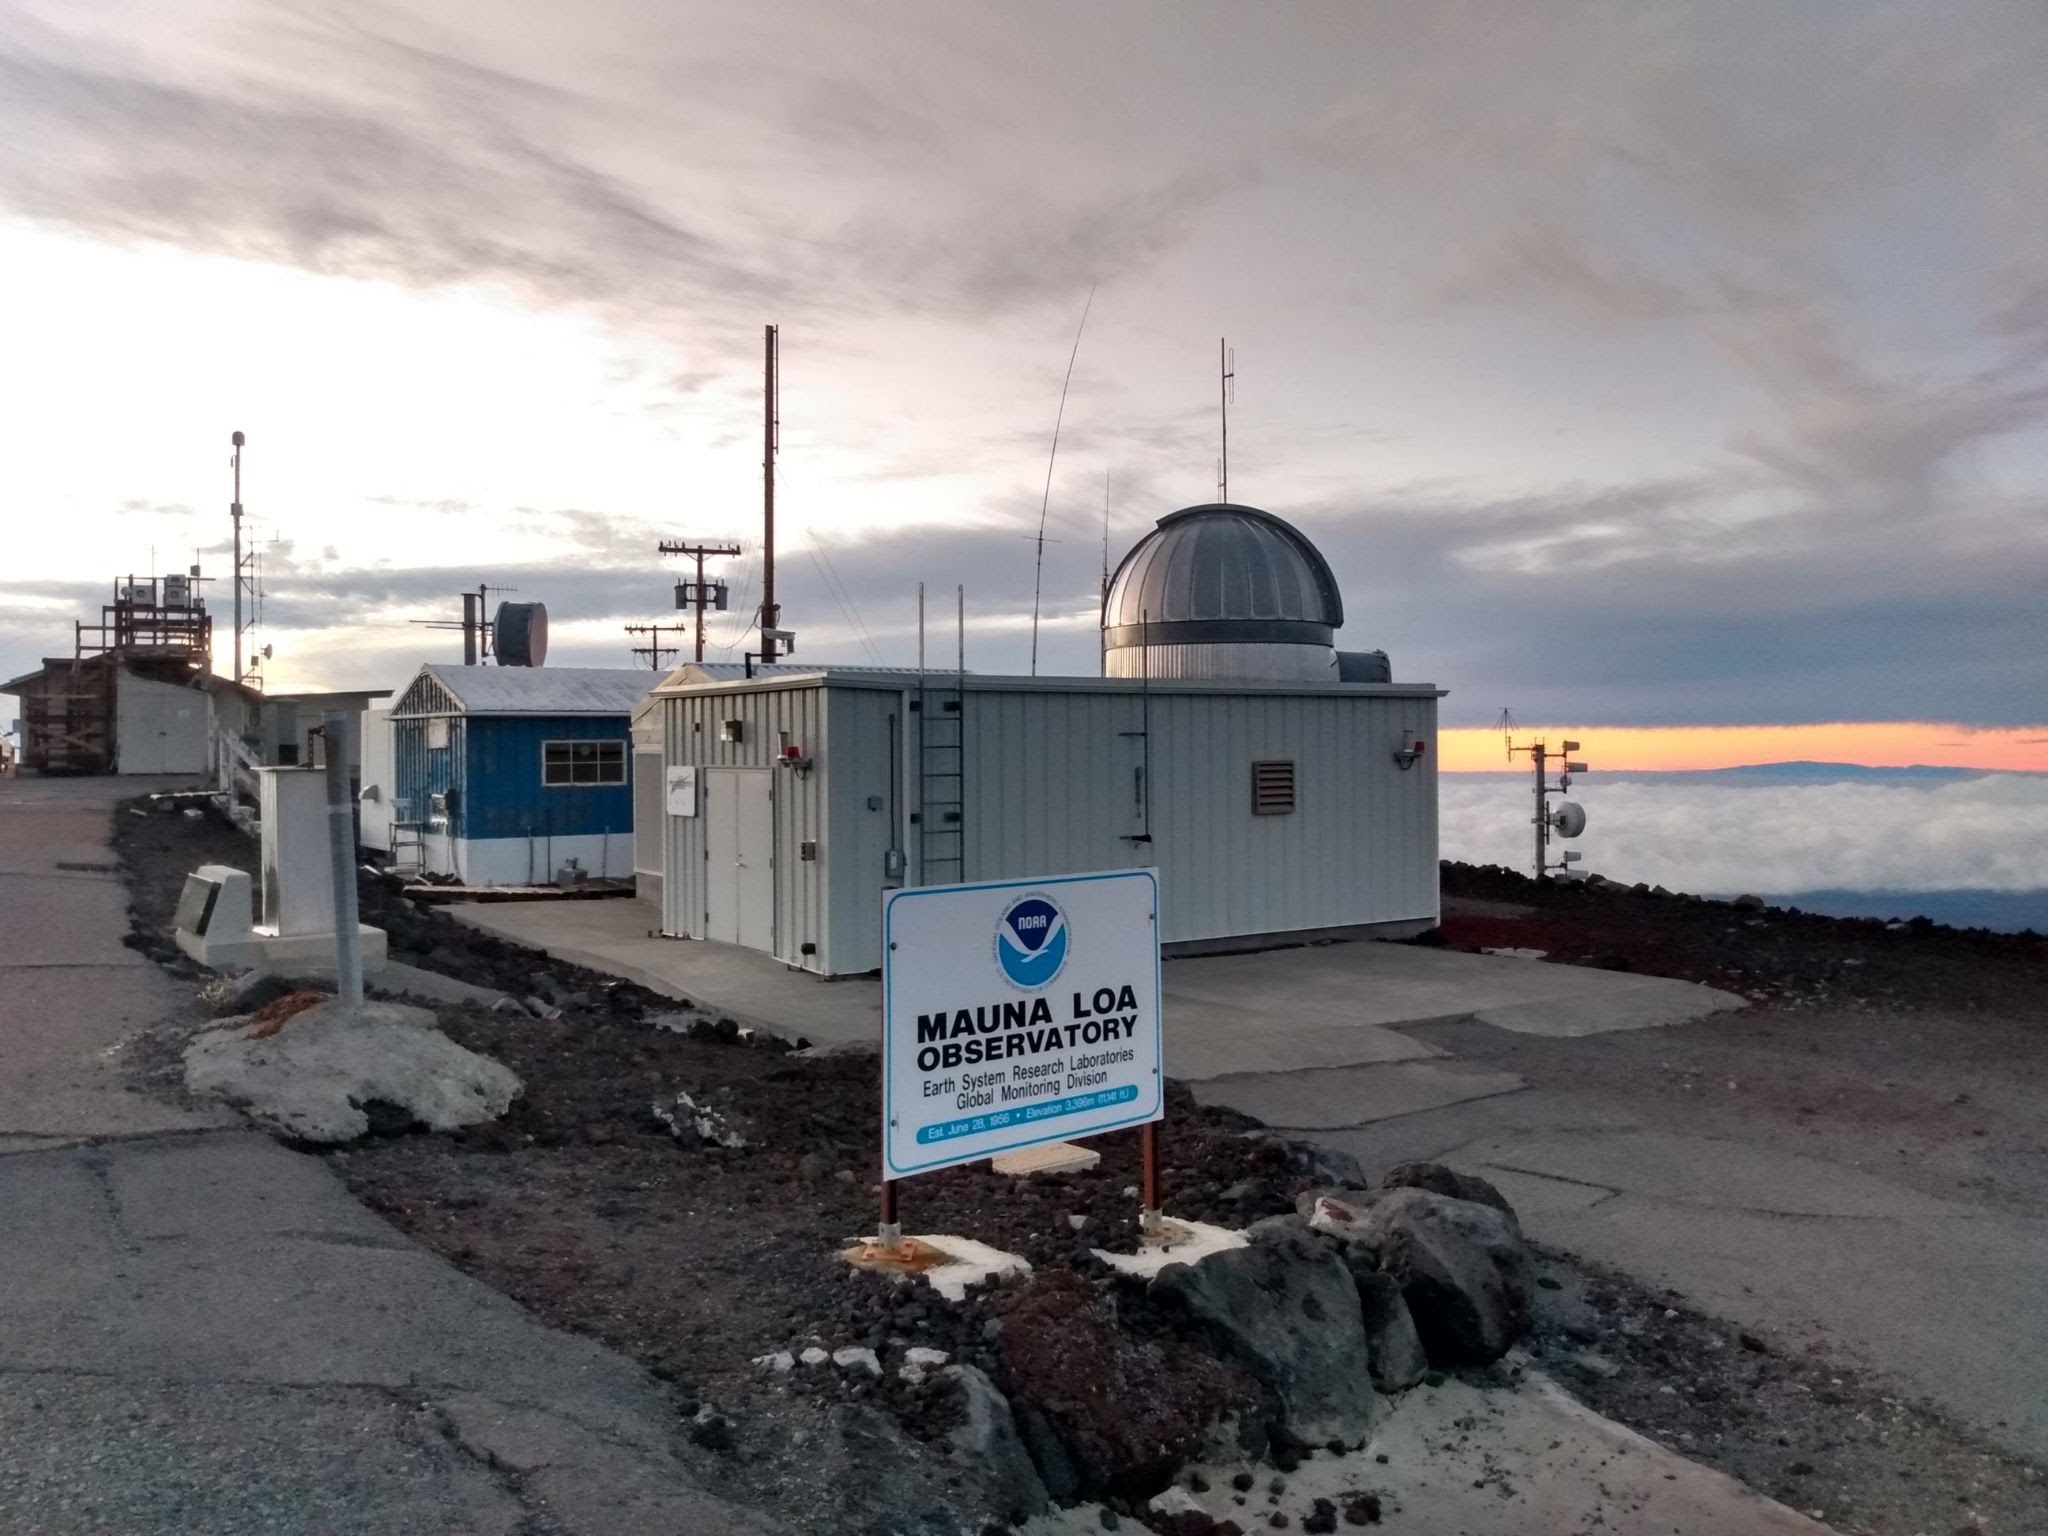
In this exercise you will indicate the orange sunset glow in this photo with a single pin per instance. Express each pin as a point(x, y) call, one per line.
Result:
point(1872, 743)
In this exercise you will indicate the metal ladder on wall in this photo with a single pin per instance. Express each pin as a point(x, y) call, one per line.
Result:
point(407, 845)
point(941, 764)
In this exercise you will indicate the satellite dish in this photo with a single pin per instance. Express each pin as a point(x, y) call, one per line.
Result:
point(519, 634)
point(1568, 818)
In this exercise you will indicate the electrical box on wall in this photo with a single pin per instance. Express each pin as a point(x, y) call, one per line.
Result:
point(682, 791)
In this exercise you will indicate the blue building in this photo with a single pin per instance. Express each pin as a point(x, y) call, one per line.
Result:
point(508, 775)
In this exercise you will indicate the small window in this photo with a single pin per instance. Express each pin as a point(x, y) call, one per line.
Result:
point(1272, 789)
point(574, 764)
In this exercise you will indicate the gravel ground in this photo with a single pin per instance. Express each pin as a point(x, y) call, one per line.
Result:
point(695, 1259)
point(1776, 955)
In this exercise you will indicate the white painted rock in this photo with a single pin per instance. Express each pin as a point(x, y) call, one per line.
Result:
point(857, 1357)
point(315, 1079)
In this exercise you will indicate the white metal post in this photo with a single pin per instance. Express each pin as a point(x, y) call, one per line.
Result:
point(341, 850)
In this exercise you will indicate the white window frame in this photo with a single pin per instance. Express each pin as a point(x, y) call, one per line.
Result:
point(614, 745)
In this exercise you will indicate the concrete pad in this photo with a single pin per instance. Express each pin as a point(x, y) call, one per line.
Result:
point(1207, 1039)
point(1330, 1005)
point(966, 1262)
point(1331, 1100)
point(1179, 1242)
point(1047, 1157)
point(621, 939)
point(1644, 1002)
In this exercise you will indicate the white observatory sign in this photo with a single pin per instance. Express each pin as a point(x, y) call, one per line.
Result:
point(1016, 1013)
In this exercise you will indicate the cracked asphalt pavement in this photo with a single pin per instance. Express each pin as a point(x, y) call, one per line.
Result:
point(1875, 1183)
point(202, 1330)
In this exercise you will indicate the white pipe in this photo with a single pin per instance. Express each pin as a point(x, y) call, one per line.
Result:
point(341, 853)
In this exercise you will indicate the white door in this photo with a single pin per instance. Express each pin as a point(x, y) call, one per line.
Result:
point(739, 847)
point(159, 727)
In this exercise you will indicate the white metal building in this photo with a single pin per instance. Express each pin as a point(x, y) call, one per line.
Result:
point(1230, 747)
point(1272, 811)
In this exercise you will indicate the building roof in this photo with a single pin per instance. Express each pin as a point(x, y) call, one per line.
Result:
point(527, 690)
point(1224, 564)
point(984, 682)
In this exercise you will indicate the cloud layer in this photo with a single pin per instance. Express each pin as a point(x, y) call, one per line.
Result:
point(1974, 834)
point(1670, 363)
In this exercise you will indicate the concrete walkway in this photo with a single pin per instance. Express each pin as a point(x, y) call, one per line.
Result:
point(202, 1331)
point(1332, 1005)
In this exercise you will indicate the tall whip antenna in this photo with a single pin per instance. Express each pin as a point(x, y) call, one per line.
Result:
point(1038, 575)
point(1226, 391)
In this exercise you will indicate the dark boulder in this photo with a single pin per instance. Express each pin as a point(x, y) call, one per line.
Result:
point(1462, 1268)
point(1439, 1180)
point(1285, 1310)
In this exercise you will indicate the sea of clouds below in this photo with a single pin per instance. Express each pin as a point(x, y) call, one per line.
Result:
point(1988, 833)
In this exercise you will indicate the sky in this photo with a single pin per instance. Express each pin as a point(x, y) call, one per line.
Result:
point(1652, 366)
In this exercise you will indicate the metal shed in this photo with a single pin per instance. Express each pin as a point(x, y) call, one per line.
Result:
point(508, 775)
point(1275, 811)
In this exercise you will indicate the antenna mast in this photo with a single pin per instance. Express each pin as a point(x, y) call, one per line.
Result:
point(1226, 392)
point(243, 581)
point(771, 613)
point(1105, 535)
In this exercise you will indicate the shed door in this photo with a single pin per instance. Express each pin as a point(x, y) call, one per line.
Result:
point(739, 845)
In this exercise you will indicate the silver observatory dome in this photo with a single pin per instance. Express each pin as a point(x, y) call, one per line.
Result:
point(1226, 592)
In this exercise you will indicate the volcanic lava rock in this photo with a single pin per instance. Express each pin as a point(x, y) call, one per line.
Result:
point(1439, 1180)
point(1462, 1268)
point(1286, 1310)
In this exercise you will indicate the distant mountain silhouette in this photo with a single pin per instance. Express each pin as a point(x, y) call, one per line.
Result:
point(1803, 773)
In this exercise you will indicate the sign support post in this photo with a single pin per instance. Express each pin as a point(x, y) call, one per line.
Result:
point(1149, 1219)
point(891, 1233)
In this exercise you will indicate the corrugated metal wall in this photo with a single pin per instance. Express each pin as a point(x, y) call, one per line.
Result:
point(505, 793)
point(873, 790)
point(691, 736)
point(1053, 786)
point(1052, 789)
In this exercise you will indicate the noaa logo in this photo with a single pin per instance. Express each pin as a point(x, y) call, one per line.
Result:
point(1031, 942)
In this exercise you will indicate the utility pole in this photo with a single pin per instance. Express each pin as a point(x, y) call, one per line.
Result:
point(699, 594)
point(771, 614)
point(654, 650)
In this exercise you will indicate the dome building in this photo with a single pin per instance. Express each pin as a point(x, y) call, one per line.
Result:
point(1227, 593)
